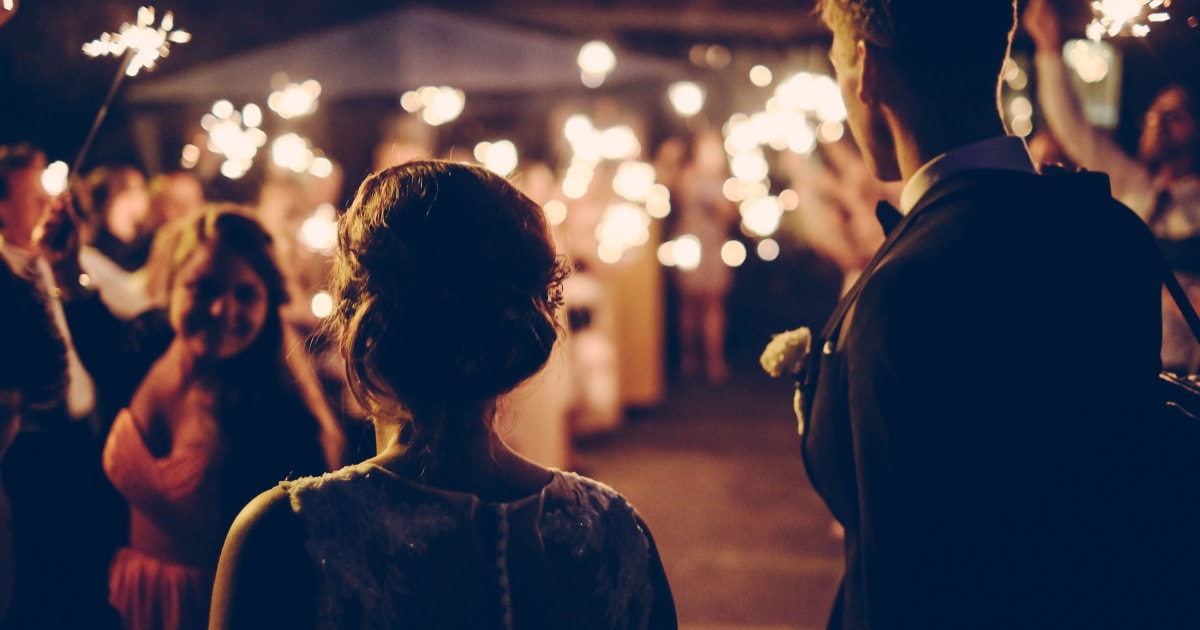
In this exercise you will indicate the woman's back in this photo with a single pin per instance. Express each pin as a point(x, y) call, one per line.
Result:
point(390, 552)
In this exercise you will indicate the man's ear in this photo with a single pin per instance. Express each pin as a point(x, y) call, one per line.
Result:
point(869, 58)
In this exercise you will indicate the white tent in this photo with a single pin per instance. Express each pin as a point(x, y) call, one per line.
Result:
point(394, 52)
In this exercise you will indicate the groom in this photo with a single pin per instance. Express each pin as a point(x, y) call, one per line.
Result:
point(968, 403)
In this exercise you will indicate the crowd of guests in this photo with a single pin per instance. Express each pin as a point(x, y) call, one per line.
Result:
point(186, 393)
point(170, 457)
point(157, 384)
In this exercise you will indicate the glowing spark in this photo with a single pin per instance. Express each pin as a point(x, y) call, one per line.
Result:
point(143, 43)
point(1115, 17)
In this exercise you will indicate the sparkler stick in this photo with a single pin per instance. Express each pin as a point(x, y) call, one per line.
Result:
point(112, 93)
point(141, 45)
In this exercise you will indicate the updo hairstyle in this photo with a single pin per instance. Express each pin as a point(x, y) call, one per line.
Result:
point(447, 283)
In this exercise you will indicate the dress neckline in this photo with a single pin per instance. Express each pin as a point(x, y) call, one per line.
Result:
point(365, 468)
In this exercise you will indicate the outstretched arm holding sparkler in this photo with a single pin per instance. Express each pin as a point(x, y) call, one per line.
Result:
point(1084, 143)
point(140, 46)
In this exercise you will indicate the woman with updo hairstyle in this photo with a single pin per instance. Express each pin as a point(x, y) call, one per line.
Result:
point(447, 285)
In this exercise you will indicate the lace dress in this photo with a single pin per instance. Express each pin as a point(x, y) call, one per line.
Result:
point(392, 553)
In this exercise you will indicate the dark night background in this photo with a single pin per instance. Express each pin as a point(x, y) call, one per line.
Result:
point(52, 91)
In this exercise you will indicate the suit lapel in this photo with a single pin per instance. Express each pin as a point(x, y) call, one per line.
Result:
point(938, 193)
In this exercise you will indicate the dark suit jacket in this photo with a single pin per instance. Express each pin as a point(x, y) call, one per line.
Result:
point(966, 420)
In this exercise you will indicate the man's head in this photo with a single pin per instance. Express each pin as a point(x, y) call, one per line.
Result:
point(923, 61)
point(1170, 134)
point(24, 202)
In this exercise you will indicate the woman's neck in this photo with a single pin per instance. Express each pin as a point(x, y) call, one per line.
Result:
point(482, 465)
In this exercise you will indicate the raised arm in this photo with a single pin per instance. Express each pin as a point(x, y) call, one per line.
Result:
point(1085, 144)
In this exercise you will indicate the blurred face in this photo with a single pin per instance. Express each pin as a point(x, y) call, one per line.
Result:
point(218, 304)
point(28, 204)
point(129, 205)
point(865, 124)
point(1169, 131)
point(181, 196)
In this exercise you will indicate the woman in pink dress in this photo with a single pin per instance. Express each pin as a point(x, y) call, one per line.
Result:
point(217, 420)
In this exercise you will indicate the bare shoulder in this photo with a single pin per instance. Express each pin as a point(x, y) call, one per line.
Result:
point(268, 510)
point(264, 528)
point(264, 558)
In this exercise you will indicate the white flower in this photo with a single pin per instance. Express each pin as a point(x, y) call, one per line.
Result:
point(786, 352)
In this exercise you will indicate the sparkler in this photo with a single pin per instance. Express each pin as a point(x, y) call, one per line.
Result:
point(140, 45)
point(1114, 17)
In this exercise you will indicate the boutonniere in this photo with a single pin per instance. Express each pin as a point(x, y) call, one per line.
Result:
point(785, 355)
point(786, 352)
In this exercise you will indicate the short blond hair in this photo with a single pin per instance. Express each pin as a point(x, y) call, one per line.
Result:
point(951, 47)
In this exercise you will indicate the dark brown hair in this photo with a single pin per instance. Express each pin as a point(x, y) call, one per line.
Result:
point(447, 283)
point(13, 158)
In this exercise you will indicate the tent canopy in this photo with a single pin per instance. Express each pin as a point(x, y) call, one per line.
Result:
point(394, 52)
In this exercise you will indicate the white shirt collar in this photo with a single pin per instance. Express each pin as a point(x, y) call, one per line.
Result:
point(1005, 153)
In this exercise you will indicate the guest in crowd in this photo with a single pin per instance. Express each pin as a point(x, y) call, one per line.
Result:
point(1161, 183)
point(119, 203)
point(117, 236)
point(447, 283)
point(836, 210)
point(954, 423)
point(36, 382)
point(175, 195)
point(52, 470)
point(218, 417)
point(702, 212)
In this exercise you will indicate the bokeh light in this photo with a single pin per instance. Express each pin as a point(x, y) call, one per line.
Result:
point(633, 180)
point(596, 60)
point(1091, 60)
point(292, 152)
point(54, 178)
point(767, 249)
point(686, 97)
point(556, 211)
point(322, 305)
point(733, 253)
point(761, 216)
point(295, 99)
point(319, 232)
point(761, 76)
point(686, 252)
point(500, 157)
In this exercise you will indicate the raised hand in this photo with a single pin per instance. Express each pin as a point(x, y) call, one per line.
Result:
point(1044, 25)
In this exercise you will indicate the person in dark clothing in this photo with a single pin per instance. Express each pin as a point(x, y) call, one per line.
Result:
point(976, 468)
point(51, 472)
